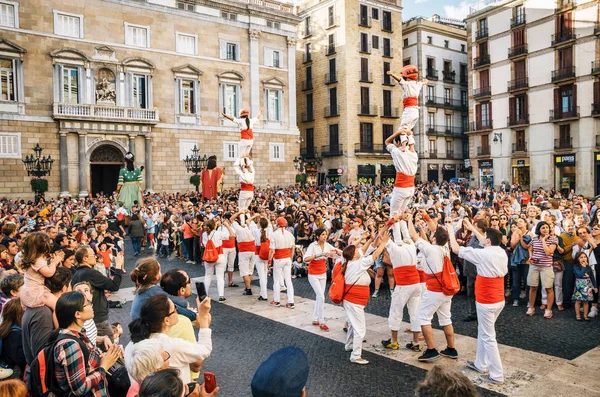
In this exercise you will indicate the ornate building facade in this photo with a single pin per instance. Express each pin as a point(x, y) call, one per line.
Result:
point(92, 80)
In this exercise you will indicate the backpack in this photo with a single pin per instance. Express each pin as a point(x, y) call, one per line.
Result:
point(42, 377)
point(265, 248)
point(211, 254)
point(449, 279)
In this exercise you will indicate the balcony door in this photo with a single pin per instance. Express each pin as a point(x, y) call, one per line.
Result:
point(366, 136)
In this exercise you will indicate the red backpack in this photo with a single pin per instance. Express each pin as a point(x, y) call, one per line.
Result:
point(211, 253)
point(265, 248)
point(450, 283)
point(338, 285)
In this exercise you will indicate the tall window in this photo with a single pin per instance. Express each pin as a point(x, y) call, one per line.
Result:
point(334, 137)
point(364, 42)
point(330, 16)
point(7, 85)
point(276, 61)
point(139, 91)
point(136, 35)
point(231, 51)
point(565, 135)
point(387, 21)
point(186, 43)
point(365, 100)
point(375, 13)
point(566, 99)
point(432, 146)
point(333, 101)
point(447, 95)
point(70, 85)
point(431, 120)
point(8, 15)
point(448, 121)
point(366, 135)
point(307, 52)
point(309, 76)
point(375, 42)
point(229, 93)
point(332, 71)
point(10, 145)
point(273, 104)
point(463, 98)
point(387, 47)
point(331, 44)
point(188, 100)
point(307, 27)
point(310, 142)
point(485, 113)
point(450, 147)
point(387, 130)
point(66, 24)
point(430, 92)
point(386, 68)
point(310, 111)
point(387, 103)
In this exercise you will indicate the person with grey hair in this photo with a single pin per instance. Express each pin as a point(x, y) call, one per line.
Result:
point(445, 381)
point(146, 357)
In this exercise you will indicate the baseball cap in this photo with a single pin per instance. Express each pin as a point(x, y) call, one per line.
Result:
point(283, 374)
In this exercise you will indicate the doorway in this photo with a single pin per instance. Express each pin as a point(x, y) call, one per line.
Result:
point(105, 164)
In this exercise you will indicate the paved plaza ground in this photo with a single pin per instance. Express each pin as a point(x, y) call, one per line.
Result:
point(557, 357)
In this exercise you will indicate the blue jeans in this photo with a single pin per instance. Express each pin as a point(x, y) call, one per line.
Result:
point(136, 242)
point(519, 272)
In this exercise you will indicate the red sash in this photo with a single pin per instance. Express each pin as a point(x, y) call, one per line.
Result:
point(247, 134)
point(403, 180)
point(489, 290)
point(229, 243)
point(257, 250)
point(245, 246)
point(357, 294)
point(410, 101)
point(433, 283)
point(422, 276)
point(247, 187)
point(317, 267)
point(283, 253)
point(220, 249)
point(406, 275)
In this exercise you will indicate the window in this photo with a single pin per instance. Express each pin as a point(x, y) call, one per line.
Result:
point(406, 62)
point(429, 40)
point(9, 15)
point(186, 43)
point(185, 6)
point(334, 138)
point(463, 73)
point(274, 100)
point(140, 89)
point(387, 47)
point(430, 92)
point(431, 71)
point(310, 111)
point(387, 80)
point(7, 80)
point(375, 13)
point(566, 99)
point(448, 121)
point(307, 27)
point(10, 145)
point(387, 21)
point(431, 120)
point(229, 50)
point(66, 24)
point(387, 103)
point(332, 76)
point(230, 98)
point(405, 42)
point(375, 42)
point(449, 148)
point(307, 52)
point(446, 44)
point(363, 16)
point(230, 151)
point(387, 130)
point(333, 102)
point(185, 147)
point(309, 77)
point(136, 35)
point(330, 16)
point(70, 85)
point(565, 136)
point(364, 42)
point(463, 48)
point(485, 113)
point(330, 44)
point(273, 24)
point(432, 146)
point(447, 95)
point(276, 152)
point(273, 58)
point(366, 135)
point(463, 98)
point(365, 99)
point(187, 97)
point(483, 24)
point(230, 16)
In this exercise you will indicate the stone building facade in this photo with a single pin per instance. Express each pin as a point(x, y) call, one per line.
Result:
point(438, 47)
point(534, 73)
point(347, 106)
point(92, 80)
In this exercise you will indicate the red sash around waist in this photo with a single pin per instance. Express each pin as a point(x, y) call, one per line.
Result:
point(247, 134)
point(489, 290)
point(257, 251)
point(422, 276)
point(403, 180)
point(317, 266)
point(410, 101)
point(247, 187)
point(283, 253)
point(433, 282)
point(357, 294)
point(220, 249)
point(229, 243)
point(245, 246)
point(406, 275)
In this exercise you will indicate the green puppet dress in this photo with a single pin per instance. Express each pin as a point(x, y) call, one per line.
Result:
point(130, 187)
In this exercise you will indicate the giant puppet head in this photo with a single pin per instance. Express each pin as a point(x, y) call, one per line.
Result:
point(410, 72)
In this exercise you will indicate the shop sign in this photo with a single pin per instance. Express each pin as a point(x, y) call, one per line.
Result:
point(433, 167)
point(520, 163)
point(564, 160)
point(449, 167)
point(467, 163)
point(597, 156)
point(486, 163)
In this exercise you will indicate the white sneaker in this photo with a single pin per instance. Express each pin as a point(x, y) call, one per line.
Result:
point(593, 312)
point(375, 294)
point(360, 361)
point(5, 372)
point(515, 303)
point(522, 295)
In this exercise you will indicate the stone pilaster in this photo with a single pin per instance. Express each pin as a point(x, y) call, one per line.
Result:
point(83, 165)
point(64, 166)
point(132, 144)
point(148, 163)
point(291, 56)
point(254, 35)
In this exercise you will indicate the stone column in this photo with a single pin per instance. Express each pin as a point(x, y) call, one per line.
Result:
point(148, 163)
point(64, 165)
point(291, 55)
point(132, 144)
point(254, 35)
point(83, 165)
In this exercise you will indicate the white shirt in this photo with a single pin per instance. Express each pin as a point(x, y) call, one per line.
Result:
point(491, 261)
point(242, 234)
point(314, 249)
point(410, 88)
point(241, 123)
point(256, 231)
point(433, 255)
point(282, 239)
point(356, 271)
point(405, 162)
point(214, 236)
point(402, 255)
point(224, 232)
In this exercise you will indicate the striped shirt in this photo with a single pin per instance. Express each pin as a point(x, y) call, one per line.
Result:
point(540, 258)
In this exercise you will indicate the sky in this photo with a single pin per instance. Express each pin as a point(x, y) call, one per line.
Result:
point(457, 9)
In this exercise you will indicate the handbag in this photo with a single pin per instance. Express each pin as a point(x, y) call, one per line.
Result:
point(558, 265)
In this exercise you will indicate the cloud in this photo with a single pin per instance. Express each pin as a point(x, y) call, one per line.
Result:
point(421, 1)
point(458, 12)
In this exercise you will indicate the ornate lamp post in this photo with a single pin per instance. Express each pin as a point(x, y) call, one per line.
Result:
point(195, 164)
point(38, 167)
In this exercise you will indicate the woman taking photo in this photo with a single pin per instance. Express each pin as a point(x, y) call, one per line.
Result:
point(540, 270)
point(316, 256)
point(157, 316)
point(12, 338)
point(78, 372)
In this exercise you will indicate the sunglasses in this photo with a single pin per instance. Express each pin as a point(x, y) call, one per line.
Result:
point(495, 219)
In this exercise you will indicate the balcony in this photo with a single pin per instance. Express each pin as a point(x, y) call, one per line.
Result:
point(595, 109)
point(369, 148)
point(330, 78)
point(481, 34)
point(364, 48)
point(517, 21)
point(308, 152)
point(563, 144)
point(437, 130)
point(560, 115)
point(330, 49)
point(566, 36)
point(595, 67)
point(482, 92)
point(464, 81)
point(447, 103)
point(519, 147)
point(518, 84)
point(390, 112)
point(364, 21)
point(90, 112)
point(481, 61)
point(450, 155)
point(477, 126)
point(564, 5)
point(332, 111)
point(365, 77)
point(484, 151)
point(367, 110)
point(308, 116)
point(433, 154)
point(448, 76)
point(432, 74)
point(307, 57)
point(517, 51)
point(332, 150)
point(307, 85)
point(563, 74)
point(514, 121)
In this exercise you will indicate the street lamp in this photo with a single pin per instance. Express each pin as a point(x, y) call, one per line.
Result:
point(38, 167)
point(195, 164)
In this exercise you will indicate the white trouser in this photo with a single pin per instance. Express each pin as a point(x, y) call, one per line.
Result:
point(357, 328)
point(401, 198)
point(487, 355)
point(282, 268)
point(400, 230)
point(218, 268)
point(245, 199)
point(317, 282)
point(245, 146)
point(229, 254)
point(261, 269)
point(558, 293)
point(246, 263)
point(435, 302)
point(410, 116)
point(405, 295)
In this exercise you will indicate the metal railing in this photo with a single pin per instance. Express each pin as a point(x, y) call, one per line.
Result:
point(464, 81)
point(449, 103)
point(518, 84)
point(330, 49)
point(332, 150)
point(564, 5)
point(308, 116)
point(444, 131)
point(330, 78)
point(562, 74)
point(449, 76)
point(481, 61)
point(514, 120)
point(374, 148)
point(388, 111)
point(433, 154)
point(98, 112)
point(481, 34)
point(387, 80)
point(331, 111)
point(367, 110)
point(559, 114)
point(308, 152)
point(598, 140)
point(517, 21)
point(482, 92)
point(519, 147)
point(307, 57)
point(517, 50)
point(481, 125)
point(331, 22)
point(484, 150)
point(595, 67)
point(563, 143)
point(565, 35)
point(364, 48)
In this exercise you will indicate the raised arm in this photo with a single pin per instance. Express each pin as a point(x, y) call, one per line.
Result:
point(453, 243)
point(411, 228)
point(391, 138)
point(227, 116)
point(260, 113)
point(396, 77)
point(475, 232)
